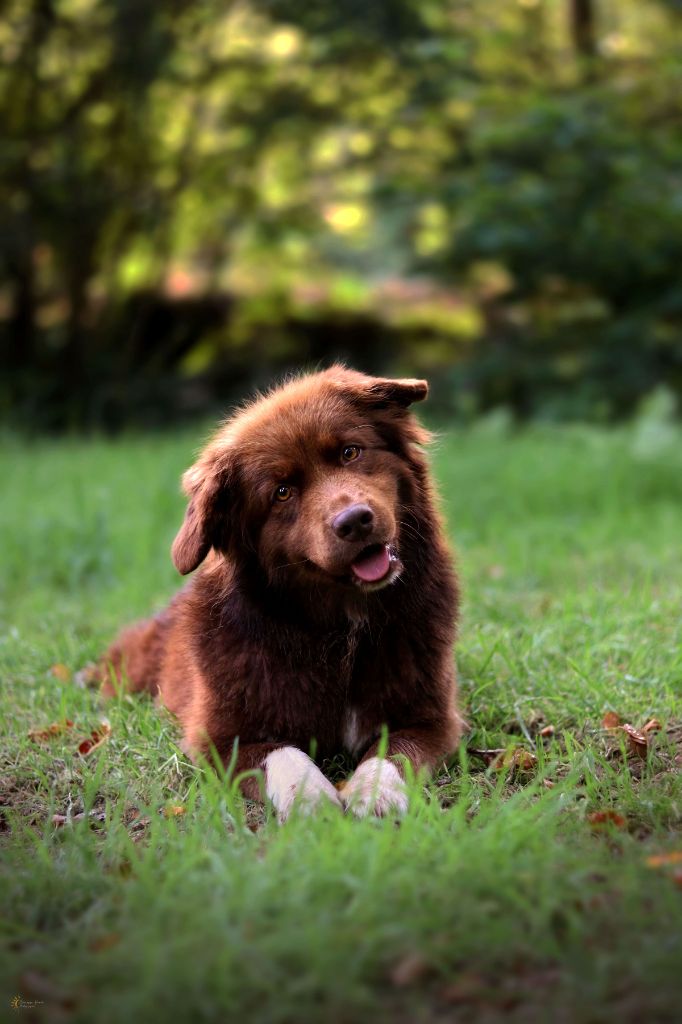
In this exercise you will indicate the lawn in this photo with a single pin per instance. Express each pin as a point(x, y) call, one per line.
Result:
point(539, 884)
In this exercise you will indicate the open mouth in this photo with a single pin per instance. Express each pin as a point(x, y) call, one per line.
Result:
point(376, 565)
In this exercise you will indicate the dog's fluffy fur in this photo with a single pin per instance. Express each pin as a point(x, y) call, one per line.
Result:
point(324, 603)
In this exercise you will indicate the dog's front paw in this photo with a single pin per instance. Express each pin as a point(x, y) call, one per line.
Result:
point(376, 786)
point(292, 778)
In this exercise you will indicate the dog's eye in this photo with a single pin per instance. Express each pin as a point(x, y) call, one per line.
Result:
point(350, 453)
point(283, 492)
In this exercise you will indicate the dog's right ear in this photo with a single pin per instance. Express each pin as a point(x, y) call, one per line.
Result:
point(206, 519)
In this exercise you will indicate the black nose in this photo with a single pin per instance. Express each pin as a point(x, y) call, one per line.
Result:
point(354, 523)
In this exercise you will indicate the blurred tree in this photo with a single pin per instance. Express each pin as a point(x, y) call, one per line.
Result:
point(199, 192)
point(77, 168)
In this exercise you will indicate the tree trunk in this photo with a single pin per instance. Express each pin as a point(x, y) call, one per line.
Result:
point(582, 13)
point(22, 325)
point(74, 354)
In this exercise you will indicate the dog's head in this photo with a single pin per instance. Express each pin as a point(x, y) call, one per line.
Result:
point(314, 480)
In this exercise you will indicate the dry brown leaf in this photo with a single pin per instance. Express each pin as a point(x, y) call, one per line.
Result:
point(662, 860)
point(549, 730)
point(95, 740)
point(637, 741)
point(61, 672)
point(517, 759)
point(653, 725)
point(410, 968)
point(611, 720)
point(608, 817)
point(55, 729)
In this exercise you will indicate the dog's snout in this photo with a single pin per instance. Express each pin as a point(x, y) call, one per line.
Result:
point(355, 523)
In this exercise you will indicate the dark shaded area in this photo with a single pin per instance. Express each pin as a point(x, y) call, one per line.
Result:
point(200, 195)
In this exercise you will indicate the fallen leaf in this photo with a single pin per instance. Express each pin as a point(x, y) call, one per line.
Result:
point(549, 730)
point(662, 860)
point(96, 738)
point(548, 784)
point(610, 720)
point(61, 672)
point(55, 729)
point(409, 969)
point(518, 759)
point(607, 817)
point(653, 725)
point(173, 812)
point(637, 741)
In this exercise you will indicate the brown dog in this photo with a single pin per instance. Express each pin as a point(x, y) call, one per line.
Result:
point(325, 605)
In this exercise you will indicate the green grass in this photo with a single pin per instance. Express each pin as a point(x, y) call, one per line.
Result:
point(495, 898)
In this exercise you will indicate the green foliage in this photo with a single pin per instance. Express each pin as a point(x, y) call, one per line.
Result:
point(587, 222)
point(198, 194)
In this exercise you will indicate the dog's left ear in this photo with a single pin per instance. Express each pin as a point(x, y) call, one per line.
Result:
point(397, 392)
point(206, 522)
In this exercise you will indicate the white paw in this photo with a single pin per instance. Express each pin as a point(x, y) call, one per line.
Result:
point(291, 777)
point(376, 786)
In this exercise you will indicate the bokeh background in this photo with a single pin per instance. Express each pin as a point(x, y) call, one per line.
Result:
point(200, 194)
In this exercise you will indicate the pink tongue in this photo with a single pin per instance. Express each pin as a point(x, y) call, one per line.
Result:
point(373, 567)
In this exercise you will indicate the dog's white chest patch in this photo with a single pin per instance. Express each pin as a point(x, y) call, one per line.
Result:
point(354, 738)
